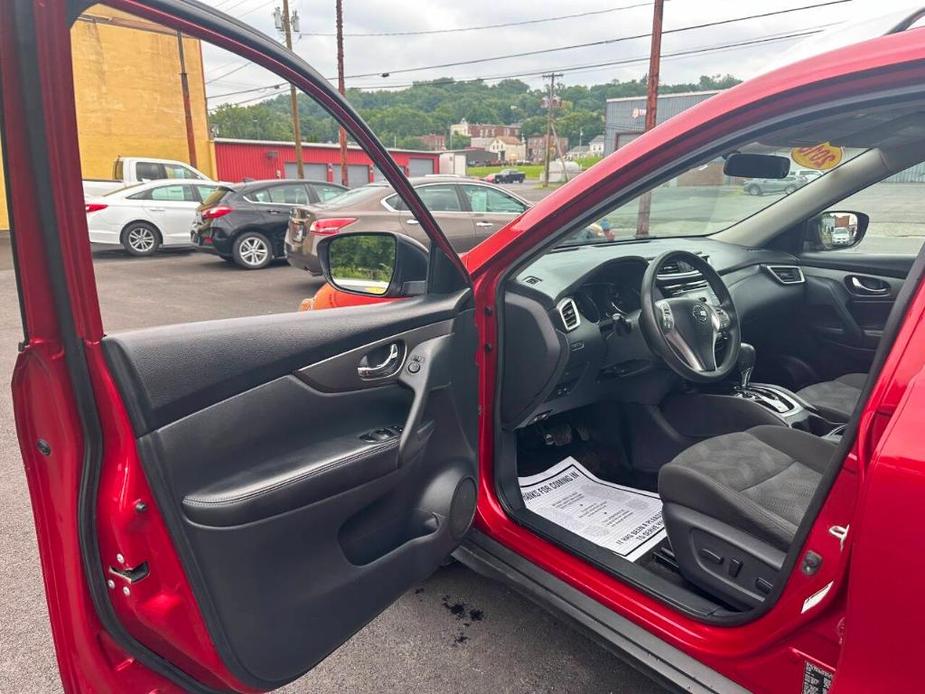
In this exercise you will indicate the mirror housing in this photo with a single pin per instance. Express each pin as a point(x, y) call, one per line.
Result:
point(834, 230)
point(380, 264)
point(756, 166)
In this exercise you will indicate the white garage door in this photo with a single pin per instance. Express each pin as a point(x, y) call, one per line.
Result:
point(420, 167)
point(357, 174)
point(313, 172)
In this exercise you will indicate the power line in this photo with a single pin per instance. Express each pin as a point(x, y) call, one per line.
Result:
point(230, 72)
point(610, 63)
point(523, 22)
point(603, 42)
point(570, 69)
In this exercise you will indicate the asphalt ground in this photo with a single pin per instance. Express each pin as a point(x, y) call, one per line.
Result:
point(455, 632)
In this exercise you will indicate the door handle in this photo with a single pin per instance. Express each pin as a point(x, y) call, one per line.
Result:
point(412, 221)
point(858, 286)
point(484, 224)
point(387, 367)
point(156, 209)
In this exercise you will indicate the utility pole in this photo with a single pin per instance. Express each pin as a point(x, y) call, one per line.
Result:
point(550, 97)
point(187, 106)
point(342, 132)
point(655, 57)
point(284, 22)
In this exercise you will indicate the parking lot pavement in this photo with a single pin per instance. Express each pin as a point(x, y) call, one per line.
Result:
point(455, 632)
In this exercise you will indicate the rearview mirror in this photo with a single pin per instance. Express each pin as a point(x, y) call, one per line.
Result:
point(374, 263)
point(756, 166)
point(835, 230)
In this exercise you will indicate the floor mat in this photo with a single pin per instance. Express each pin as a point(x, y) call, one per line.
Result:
point(624, 520)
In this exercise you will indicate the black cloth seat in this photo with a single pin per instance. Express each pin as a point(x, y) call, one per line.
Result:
point(835, 399)
point(759, 481)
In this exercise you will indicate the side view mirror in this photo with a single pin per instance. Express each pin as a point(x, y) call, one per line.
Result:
point(374, 263)
point(834, 230)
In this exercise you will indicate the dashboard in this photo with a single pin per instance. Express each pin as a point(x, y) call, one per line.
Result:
point(572, 333)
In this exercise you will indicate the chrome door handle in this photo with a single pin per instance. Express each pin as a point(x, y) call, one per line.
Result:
point(484, 224)
point(156, 209)
point(413, 221)
point(860, 288)
point(386, 368)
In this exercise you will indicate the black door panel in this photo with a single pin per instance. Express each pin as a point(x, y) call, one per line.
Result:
point(884, 265)
point(848, 299)
point(302, 498)
point(169, 372)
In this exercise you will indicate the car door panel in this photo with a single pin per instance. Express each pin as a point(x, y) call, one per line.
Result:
point(848, 300)
point(295, 521)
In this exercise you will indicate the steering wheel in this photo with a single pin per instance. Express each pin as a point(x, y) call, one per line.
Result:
point(684, 330)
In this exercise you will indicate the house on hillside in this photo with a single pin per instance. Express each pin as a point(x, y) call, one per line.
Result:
point(536, 147)
point(596, 146)
point(485, 130)
point(508, 149)
point(433, 141)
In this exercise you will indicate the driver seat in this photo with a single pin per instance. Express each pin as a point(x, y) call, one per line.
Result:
point(732, 505)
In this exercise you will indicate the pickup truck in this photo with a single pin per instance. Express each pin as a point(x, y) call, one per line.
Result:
point(129, 170)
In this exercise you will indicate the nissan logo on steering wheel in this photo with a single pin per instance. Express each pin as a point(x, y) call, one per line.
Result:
point(701, 313)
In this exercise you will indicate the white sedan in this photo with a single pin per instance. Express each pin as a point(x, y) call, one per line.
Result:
point(143, 217)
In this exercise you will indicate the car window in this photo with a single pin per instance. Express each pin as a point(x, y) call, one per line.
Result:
point(289, 194)
point(485, 199)
point(215, 196)
point(326, 193)
point(206, 191)
point(166, 194)
point(179, 171)
point(436, 198)
point(149, 171)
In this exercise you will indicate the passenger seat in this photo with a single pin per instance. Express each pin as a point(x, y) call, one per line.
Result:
point(836, 399)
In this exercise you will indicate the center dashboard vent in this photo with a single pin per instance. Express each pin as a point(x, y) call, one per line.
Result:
point(568, 311)
point(677, 276)
point(786, 274)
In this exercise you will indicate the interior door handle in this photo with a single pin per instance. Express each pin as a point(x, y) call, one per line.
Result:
point(484, 224)
point(859, 287)
point(387, 368)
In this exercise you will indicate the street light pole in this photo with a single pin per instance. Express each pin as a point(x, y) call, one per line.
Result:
point(293, 96)
point(655, 55)
point(342, 132)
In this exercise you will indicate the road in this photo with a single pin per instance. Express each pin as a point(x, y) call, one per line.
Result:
point(455, 632)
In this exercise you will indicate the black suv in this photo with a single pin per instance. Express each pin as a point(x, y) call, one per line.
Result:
point(246, 223)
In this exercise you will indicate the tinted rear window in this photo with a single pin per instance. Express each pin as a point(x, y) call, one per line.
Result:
point(216, 196)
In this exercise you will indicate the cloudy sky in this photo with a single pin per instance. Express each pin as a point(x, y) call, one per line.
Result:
point(367, 56)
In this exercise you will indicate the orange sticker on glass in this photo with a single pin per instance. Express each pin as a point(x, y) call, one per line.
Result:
point(821, 157)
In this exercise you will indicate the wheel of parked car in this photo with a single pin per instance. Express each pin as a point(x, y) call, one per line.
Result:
point(252, 250)
point(141, 239)
point(753, 190)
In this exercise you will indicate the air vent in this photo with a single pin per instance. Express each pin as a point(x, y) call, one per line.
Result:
point(532, 279)
point(786, 274)
point(569, 313)
point(679, 271)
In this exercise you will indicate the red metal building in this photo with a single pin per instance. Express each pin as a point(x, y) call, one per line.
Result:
point(259, 159)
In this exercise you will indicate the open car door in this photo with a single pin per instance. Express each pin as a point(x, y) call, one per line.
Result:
point(220, 505)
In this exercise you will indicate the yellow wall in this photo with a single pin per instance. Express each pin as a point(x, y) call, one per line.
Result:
point(127, 89)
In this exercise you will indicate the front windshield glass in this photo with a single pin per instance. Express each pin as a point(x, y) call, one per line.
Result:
point(703, 199)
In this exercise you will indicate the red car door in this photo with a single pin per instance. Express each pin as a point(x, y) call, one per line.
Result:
point(220, 505)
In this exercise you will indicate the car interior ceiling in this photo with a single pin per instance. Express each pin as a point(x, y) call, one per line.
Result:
point(578, 384)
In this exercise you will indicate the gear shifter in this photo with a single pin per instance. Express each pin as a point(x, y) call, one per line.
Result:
point(746, 365)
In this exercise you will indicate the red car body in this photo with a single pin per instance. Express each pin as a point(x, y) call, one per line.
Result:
point(865, 629)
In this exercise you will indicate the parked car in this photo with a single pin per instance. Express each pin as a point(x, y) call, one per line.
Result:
point(763, 186)
point(246, 223)
point(129, 170)
point(146, 216)
point(220, 505)
point(506, 176)
point(467, 210)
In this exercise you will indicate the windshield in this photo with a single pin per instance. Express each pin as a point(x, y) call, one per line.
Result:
point(704, 200)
